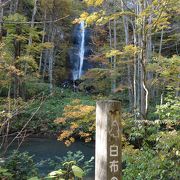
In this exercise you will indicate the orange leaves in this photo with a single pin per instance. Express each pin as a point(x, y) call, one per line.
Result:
point(77, 111)
point(60, 120)
point(78, 121)
point(83, 134)
point(64, 134)
point(87, 136)
point(12, 70)
point(74, 126)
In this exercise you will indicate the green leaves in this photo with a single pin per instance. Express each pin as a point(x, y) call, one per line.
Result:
point(34, 178)
point(70, 169)
point(170, 110)
point(20, 165)
point(57, 173)
point(27, 63)
point(4, 173)
point(78, 172)
point(73, 165)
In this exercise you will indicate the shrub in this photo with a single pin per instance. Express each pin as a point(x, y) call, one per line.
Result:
point(72, 165)
point(5, 174)
point(20, 165)
point(169, 110)
point(79, 158)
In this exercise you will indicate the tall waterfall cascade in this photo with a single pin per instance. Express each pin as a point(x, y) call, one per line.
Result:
point(80, 51)
point(77, 70)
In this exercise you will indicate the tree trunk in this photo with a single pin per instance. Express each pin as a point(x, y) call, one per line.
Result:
point(114, 58)
point(143, 92)
point(126, 31)
point(43, 40)
point(32, 20)
point(135, 73)
point(51, 59)
point(161, 40)
point(1, 18)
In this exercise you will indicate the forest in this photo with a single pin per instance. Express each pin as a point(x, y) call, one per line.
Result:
point(59, 57)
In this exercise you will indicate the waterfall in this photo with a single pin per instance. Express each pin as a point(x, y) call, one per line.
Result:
point(77, 70)
point(81, 50)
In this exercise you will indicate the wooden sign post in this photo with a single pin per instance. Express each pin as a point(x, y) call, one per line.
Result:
point(108, 141)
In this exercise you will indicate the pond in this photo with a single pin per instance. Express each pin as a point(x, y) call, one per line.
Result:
point(45, 148)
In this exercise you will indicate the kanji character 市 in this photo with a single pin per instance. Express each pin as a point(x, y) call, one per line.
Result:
point(114, 166)
point(113, 150)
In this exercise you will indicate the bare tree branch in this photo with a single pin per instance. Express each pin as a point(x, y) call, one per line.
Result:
point(25, 125)
point(5, 3)
point(40, 22)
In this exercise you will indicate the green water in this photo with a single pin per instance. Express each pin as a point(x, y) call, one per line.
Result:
point(44, 148)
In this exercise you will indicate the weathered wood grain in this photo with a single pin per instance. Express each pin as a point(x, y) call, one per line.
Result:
point(108, 137)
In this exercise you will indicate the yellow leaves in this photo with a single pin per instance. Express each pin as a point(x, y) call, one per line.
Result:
point(130, 50)
point(94, 2)
point(13, 71)
point(89, 2)
point(177, 153)
point(92, 18)
point(120, 14)
point(102, 20)
point(78, 120)
point(76, 101)
point(155, 3)
point(28, 62)
point(72, 139)
point(2, 45)
point(67, 143)
point(60, 120)
point(87, 136)
point(98, 2)
point(87, 108)
point(113, 53)
point(84, 15)
point(89, 19)
point(47, 45)
point(64, 134)
point(20, 38)
point(100, 17)
point(5, 115)
point(88, 140)
point(130, 150)
point(162, 157)
point(77, 111)
point(74, 126)
point(83, 134)
point(154, 16)
point(166, 68)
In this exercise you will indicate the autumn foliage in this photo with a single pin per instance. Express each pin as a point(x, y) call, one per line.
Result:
point(78, 121)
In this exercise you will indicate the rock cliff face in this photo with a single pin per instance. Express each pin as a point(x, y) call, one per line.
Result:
point(80, 52)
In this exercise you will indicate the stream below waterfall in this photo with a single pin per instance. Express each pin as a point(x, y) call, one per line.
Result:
point(45, 148)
